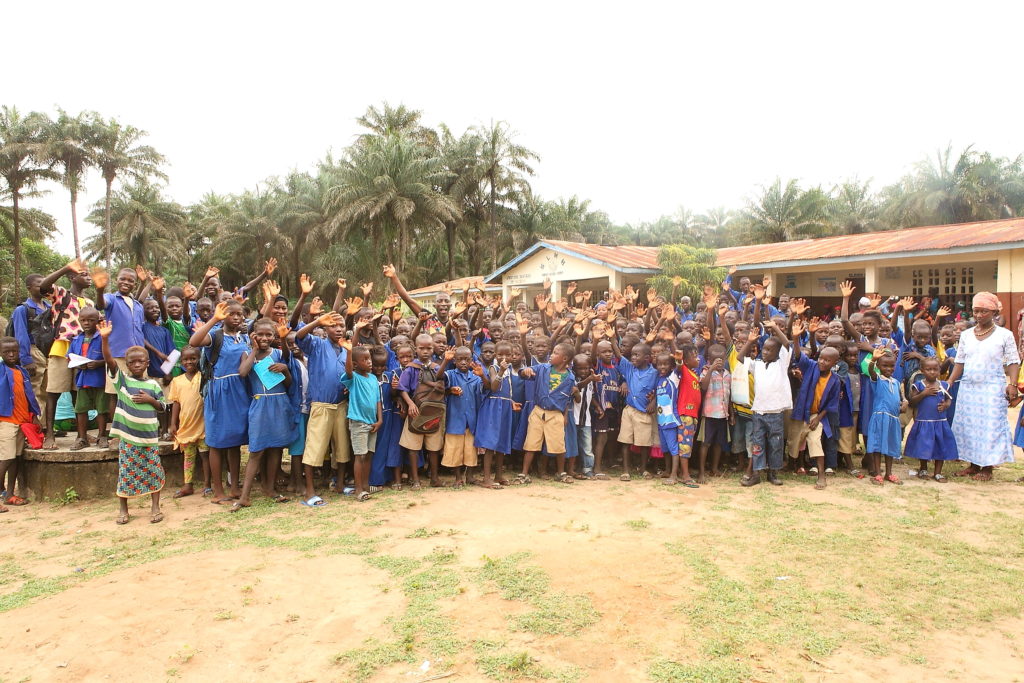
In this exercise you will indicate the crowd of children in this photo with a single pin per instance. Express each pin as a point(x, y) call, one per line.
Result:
point(365, 396)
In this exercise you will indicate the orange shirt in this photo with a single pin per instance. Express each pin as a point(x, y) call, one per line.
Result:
point(21, 414)
point(819, 391)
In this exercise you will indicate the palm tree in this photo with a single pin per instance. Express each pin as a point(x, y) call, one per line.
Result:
point(783, 214)
point(22, 166)
point(853, 209)
point(35, 224)
point(503, 161)
point(389, 190)
point(461, 159)
point(250, 229)
point(146, 227)
point(302, 216)
point(118, 153)
point(398, 120)
point(69, 145)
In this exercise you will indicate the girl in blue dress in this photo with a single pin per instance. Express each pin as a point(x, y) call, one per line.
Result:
point(884, 435)
point(226, 393)
point(931, 437)
point(494, 422)
point(272, 415)
point(386, 464)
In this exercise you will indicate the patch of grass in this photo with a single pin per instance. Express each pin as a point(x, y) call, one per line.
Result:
point(373, 655)
point(49, 533)
point(716, 671)
point(69, 496)
point(224, 615)
point(393, 564)
point(637, 524)
point(423, 532)
point(516, 582)
point(510, 666)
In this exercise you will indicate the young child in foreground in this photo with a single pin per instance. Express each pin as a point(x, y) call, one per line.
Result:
point(187, 427)
point(135, 423)
point(931, 437)
point(885, 435)
point(18, 401)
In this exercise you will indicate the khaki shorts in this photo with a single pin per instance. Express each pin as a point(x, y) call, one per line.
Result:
point(794, 431)
point(39, 381)
point(363, 440)
point(327, 428)
point(813, 438)
point(848, 440)
point(638, 428)
point(123, 367)
point(545, 428)
point(432, 443)
point(12, 440)
point(59, 378)
point(459, 450)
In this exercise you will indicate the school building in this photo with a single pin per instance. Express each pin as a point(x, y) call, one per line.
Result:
point(425, 296)
point(954, 260)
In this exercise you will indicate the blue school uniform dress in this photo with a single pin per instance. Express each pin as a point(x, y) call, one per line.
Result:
point(523, 395)
point(159, 337)
point(885, 435)
point(494, 421)
point(387, 454)
point(226, 405)
point(460, 416)
point(271, 413)
point(300, 402)
point(931, 437)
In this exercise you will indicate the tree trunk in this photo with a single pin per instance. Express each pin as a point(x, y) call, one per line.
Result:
point(494, 234)
point(74, 222)
point(17, 249)
point(106, 223)
point(476, 248)
point(449, 229)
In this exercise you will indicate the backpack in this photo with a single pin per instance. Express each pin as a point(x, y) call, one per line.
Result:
point(206, 364)
point(41, 329)
point(430, 402)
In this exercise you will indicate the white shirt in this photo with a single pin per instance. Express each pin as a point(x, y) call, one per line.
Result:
point(772, 393)
point(581, 407)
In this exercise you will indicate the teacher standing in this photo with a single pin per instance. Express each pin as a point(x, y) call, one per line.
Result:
point(987, 363)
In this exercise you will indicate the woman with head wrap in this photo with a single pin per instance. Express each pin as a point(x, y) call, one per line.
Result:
point(987, 363)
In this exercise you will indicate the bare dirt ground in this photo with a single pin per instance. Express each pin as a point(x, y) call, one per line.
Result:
point(597, 581)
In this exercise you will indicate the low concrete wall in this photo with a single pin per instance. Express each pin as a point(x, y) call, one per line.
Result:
point(91, 472)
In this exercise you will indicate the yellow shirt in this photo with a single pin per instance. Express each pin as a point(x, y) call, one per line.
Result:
point(819, 391)
point(185, 392)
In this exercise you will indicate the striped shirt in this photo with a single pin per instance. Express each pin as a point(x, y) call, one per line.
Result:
point(136, 423)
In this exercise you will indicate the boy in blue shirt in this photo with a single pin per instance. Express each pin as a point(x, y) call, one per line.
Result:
point(124, 313)
point(817, 405)
point(90, 380)
point(29, 357)
point(364, 412)
point(18, 406)
point(464, 394)
point(638, 428)
point(552, 391)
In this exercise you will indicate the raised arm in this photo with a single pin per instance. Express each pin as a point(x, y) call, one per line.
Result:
point(105, 328)
point(268, 269)
point(74, 266)
point(201, 337)
point(392, 274)
point(305, 288)
point(847, 290)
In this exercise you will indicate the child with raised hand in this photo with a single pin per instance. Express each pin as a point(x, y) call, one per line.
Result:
point(931, 437)
point(365, 414)
point(464, 394)
point(387, 455)
point(816, 408)
point(187, 426)
point(667, 399)
point(885, 436)
point(226, 394)
point(715, 383)
point(327, 428)
point(552, 390)
point(772, 397)
point(272, 417)
point(638, 428)
point(608, 402)
point(18, 406)
point(687, 410)
point(138, 400)
point(495, 419)
point(89, 380)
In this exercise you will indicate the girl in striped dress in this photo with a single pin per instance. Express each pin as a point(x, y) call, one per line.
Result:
point(136, 425)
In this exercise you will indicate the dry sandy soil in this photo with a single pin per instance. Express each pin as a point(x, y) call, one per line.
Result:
point(602, 581)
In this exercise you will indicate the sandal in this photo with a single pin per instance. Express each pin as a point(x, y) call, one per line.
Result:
point(564, 478)
point(523, 479)
point(691, 484)
point(967, 472)
point(800, 470)
point(363, 497)
point(15, 500)
point(646, 475)
point(375, 489)
point(893, 479)
point(877, 480)
point(237, 506)
point(123, 519)
point(923, 474)
point(625, 477)
point(601, 475)
point(980, 476)
point(103, 442)
point(577, 475)
point(156, 518)
point(941, 478)
point(79, 444)
point(280, 498)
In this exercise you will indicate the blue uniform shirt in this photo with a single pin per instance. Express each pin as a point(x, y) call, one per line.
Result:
point(127, 321)
point(325, 365)
point(20, 320)
point(640, 383)
point(547, 397)
point(461, 414)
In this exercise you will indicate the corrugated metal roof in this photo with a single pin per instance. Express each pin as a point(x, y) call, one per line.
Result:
point(457, 285)
point(952, 238)
point(627, 256)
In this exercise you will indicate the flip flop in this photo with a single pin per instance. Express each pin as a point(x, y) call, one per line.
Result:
point(156, 518)
point(181, 494)
point(237, 506)
point(625, 477)
point(600, 475)
point(227, 500)
point(691, 484)
point(16, 500)
point(363, 497)
point(279, 498)
point(123, 519)
point(315, 502)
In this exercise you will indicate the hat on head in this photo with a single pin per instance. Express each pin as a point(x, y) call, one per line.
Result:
point(864, 301)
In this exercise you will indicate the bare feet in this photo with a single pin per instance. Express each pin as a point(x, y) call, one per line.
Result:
point(49, 443)
point(183, 491)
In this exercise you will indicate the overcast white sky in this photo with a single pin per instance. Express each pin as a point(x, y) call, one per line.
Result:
point(639, 107)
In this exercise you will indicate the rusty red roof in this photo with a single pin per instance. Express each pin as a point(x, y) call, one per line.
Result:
point(936, 238)
point(626, 256)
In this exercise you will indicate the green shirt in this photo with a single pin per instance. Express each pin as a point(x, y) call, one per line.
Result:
point(136, 423)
